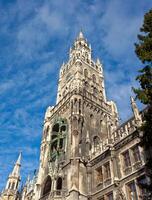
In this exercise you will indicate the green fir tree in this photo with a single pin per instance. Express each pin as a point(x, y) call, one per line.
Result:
point(144, 93)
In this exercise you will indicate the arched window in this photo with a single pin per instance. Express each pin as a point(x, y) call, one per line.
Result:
point(59, 184)
point(92, 120)
point(63, 128)
point(94, 78)
point(47, 186)
point(96, 144)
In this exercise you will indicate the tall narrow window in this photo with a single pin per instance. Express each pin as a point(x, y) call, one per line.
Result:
point(47, 186)
point(92, 120)
point(99, 176)
point(132, 193)
point(107, 173)
point(59, 186)
point(61, 143)
point(136, 153)
point(94, 78)
point(143, 191)
point(96, 143)
point(13, 186)
point(85, 72)
point(126, 158)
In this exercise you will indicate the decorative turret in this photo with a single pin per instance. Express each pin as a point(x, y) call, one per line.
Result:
point(135, 111)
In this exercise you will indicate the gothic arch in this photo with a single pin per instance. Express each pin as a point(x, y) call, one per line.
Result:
point(47, 186)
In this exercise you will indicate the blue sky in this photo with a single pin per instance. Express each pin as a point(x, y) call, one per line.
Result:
point(35, 37)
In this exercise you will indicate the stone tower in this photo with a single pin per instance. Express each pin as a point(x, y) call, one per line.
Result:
point(12, 185)
point(76, 128)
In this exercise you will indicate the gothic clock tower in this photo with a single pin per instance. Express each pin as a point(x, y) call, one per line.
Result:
point(76, 128)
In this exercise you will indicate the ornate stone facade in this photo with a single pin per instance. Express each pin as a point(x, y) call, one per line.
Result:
point(85, 154)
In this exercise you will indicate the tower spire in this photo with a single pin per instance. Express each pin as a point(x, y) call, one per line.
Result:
point(14, 177)
point(12, 185)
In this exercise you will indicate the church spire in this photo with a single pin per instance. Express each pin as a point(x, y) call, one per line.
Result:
point(14, 177)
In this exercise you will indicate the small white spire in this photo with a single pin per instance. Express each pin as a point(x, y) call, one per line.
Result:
point(62, 65)
point(80, 35)
point(19, 159)
point(14, 177)
point(90, 46)
point(135, 110)
point(98, 62)
point(16, 170)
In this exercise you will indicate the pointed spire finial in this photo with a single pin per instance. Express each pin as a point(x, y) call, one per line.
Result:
point(19, 158)
point(135, 110)
point(16, 170)
point(62, 65)
point(98, 62)
point(81, 35)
